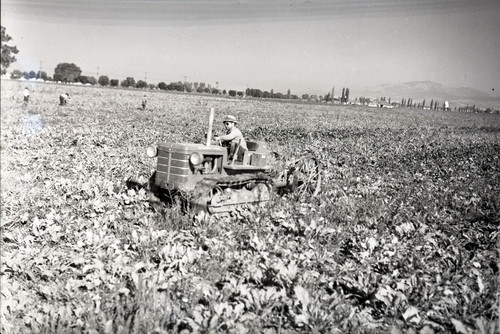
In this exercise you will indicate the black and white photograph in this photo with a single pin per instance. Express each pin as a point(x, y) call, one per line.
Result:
point(250, 166)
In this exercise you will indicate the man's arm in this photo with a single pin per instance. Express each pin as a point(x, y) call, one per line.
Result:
point(230, 136)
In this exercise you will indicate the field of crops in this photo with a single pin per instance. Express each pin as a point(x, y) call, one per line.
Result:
point(403, 237)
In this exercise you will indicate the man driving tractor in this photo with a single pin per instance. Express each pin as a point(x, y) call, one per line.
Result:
point(233, 137)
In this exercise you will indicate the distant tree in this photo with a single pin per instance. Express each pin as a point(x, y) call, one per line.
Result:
point(279, 95)
point(423, 104)
point(178, 86)
point(16, 74)
point(114, 82)
point(32, 74)
point(152, 86)
point(141, 84)
point(239, 93)
point(224, 92)
point(328, 97)
point(82, 79)
point(103, 80)
point(305, 96)
point(129, 82)
point(255, 92)
point(42, 75)
point(272, 93)
point(86, 80)
point(288, 93)
point(92, 80)
point(266, 94)
point(345, 95)
point(66, 72)
point(162, 86)
point(8, 51)
point(201, 87)
point(188, 87)
point(232, 93)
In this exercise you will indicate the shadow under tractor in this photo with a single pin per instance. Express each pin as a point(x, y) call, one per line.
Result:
point(211, 182)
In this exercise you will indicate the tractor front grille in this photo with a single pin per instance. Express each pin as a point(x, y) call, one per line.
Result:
point(173, 169)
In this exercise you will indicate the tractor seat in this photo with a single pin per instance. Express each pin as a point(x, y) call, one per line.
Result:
point(253, 145)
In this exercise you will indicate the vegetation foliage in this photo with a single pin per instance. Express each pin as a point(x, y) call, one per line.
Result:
point(67, 72)
point(402, 239)
point(8, 51)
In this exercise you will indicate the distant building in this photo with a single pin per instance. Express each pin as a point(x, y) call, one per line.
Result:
point(446, 105)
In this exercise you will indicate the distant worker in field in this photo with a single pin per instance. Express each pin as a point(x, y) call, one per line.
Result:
point(144, 102)
point(63, 99)
point(26, 95)
point(233, 137)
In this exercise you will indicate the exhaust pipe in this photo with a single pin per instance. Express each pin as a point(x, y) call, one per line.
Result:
point(210, 123)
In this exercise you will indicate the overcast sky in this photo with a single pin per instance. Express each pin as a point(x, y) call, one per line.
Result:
point(306, 46)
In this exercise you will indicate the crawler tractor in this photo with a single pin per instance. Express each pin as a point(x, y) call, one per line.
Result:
point(212, 182)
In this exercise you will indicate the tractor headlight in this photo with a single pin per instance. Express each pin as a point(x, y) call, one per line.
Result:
point(195, 158)
point(152, 151)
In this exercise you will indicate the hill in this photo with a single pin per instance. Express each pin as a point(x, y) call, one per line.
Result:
point(429, 90)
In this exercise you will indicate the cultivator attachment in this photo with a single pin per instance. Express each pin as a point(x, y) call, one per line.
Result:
point(301, 177)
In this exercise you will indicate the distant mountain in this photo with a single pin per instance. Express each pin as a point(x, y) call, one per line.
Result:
point(428, 90)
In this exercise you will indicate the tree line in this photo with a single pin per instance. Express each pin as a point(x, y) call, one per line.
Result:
point(71, 73)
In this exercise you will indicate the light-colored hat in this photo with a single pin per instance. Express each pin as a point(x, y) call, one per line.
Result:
point(229, 118)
